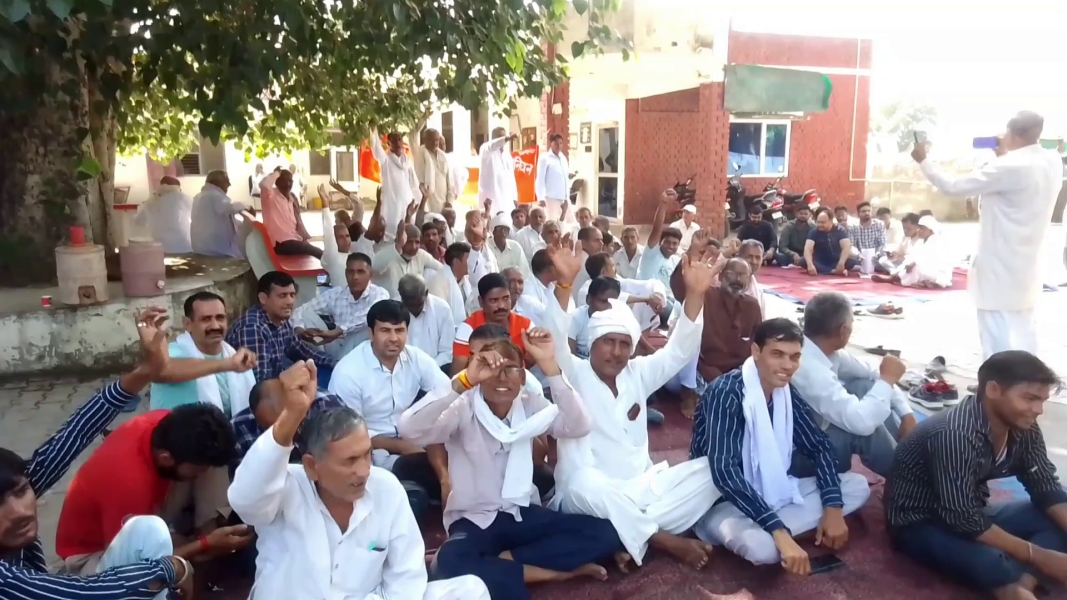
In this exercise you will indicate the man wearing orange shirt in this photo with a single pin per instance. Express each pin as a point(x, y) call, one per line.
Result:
point(494, 296)
point(281, 216)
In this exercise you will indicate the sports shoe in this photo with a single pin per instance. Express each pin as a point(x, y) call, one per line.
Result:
point(927, 396)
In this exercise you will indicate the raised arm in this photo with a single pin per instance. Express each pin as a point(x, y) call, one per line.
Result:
point(568, 264)
point(668, 198)
point(573, 420)
point(376, 146)
point(684, 344)
point(258, 489)
point(988, 179)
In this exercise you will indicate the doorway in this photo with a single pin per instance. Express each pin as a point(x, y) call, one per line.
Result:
point(607, 171)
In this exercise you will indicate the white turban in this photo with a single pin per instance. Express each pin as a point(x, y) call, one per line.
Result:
point(433, 218)
point(500, 220)
point(930, 223)
point(617, 319)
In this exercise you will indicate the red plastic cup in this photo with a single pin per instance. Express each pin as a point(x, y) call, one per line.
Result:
point(77, 236)
point(46, 301)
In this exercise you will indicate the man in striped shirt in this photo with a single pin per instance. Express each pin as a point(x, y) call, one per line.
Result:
point(138, 564)
point(748, 424)
point(936, 496)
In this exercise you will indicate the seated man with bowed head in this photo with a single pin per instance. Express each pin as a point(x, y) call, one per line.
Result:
point(748, 424)
point(488, 422)
point(334, 526)
point(139, 563)
point(937, 497)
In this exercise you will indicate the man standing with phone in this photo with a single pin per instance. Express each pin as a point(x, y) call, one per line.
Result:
point(1018, 190)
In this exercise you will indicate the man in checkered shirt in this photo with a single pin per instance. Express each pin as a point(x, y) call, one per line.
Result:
point(869, 233)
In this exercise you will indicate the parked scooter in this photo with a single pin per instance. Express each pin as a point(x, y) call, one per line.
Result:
point(738, 202)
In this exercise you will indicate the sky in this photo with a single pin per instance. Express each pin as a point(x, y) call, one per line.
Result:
point(978, 61)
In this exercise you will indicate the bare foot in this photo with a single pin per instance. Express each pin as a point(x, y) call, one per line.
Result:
point(623, 560)
point(592, 571)
point(689, 403)
point(694, 553)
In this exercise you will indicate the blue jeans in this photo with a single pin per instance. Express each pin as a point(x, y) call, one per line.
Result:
point(971, 562)
point(140, 539)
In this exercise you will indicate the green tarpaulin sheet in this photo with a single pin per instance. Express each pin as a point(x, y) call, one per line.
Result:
point(751, 89)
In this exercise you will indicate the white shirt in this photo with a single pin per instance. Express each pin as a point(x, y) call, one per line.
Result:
point(350, 314)
point(380, 395)
point(894, 234)
point(456, 294)
point(432, 169)
point(168, 215)
point(821, 382)
point(390, 266)
point(578, 331)
point(687, 233)
point(432, 330)
point(302, 551)
point(480, 262)
point(625, 267)
point(400, 185)
point(553, 181)
point(212, 229)
point(496, 179)
point(511, 256)
point(756, 292)
point(1018, 193)
point(653, 265)
point(530, 240)
point(535, 295)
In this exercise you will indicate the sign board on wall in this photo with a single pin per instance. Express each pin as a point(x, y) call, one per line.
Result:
point(585, 133)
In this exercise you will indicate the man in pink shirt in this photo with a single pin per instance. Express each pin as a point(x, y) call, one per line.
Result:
point(281, 216)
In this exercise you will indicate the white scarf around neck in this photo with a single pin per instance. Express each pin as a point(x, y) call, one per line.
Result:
point(207, 388)
point(518, 437)
point(767, 449)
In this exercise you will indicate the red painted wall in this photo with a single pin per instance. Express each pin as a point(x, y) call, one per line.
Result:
point(673, 136)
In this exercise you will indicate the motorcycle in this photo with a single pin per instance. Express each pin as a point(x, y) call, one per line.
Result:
point(738, 202)
point(790, 201)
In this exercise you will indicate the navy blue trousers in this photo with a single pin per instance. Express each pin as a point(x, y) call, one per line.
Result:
point(544, 538)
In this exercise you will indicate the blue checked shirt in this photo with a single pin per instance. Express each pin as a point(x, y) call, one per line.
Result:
point(718, 433)
point(248, 430)
point(26, 576)
point(272, 344)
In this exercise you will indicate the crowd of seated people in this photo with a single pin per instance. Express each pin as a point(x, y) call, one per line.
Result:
point(317, 438)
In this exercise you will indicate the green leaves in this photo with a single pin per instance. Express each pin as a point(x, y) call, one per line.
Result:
point(88, 169)
point(580, 6)
point(577, 48)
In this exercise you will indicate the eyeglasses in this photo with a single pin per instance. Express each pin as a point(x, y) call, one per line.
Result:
point(512, 371)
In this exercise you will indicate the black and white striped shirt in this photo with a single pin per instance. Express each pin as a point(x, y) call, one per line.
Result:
point(941, 468)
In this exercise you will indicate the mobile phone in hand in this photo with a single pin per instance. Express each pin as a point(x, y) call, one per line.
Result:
point(920, 137)
point(824, 563)
point(985, 143)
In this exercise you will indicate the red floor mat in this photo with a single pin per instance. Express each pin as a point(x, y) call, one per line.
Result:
point(797, 286)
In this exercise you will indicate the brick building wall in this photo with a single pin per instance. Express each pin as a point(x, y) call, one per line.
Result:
point(673, 136)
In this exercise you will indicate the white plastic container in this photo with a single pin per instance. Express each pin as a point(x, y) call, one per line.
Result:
point(82, 275)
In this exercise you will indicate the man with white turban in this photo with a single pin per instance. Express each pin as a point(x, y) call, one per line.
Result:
point(609, 473)
point(506, 251)
point(925, 265)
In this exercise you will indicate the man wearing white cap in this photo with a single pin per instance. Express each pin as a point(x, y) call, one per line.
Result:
point(1018, 190)
point(687, 225)
point(507, 252)
point(925, 265)
point(608, 473)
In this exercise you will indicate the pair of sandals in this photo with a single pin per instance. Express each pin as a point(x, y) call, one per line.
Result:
point(887, 309)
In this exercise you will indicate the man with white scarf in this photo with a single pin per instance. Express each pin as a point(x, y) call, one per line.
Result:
point(203, 367)
point(609, 472)
point(488, 421)
point(334, 526)
point(168, 215)
point(747, 426)
point(432, 169)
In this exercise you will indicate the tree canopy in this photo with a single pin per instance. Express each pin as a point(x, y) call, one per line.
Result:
point(276, 75)
point(901, 118)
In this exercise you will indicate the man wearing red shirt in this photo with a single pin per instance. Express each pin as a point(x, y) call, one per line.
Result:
point(494, 296)
point(136, 471)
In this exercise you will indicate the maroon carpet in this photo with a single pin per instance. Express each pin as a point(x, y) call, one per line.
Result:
point(798, 286)
point(871, 569)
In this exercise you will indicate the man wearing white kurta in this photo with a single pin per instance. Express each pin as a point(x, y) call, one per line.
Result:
point(168, 215)
point(507, 252)
point(496, 180)
point(529, 237)
point(400, 185)
point(334, 526)
point(552, 184)
point(404, 257)
point(451, 283)
point(1018, 193)
point(432, 327)
point(628, 258)
point(926, 264)
point(609, 472)
point(432, 169)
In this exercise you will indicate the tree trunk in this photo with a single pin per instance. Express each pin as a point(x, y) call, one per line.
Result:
point(41, 148)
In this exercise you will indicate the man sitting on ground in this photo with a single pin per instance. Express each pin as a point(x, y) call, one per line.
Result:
point(687, 225)
point(335, 511)
point(867, 234)
point(926, 265)
point(750, 422)
point(894, 255)
point(506, 251)
point(647, 298)
point(265, 404)
point(537, 290)
point(755, 228)
point(937, 495)
point(488, 423)
point(609, 473)
point(828, 250)
point(529, 237)
point(494, 296)
point(431, 241)
point(452, 283)
point(346, 306)
point(661, 255)
point(380, 379)
point(158, 463)
point(793, 238)
point(404, 257)
point(139, 563)
point(628, 258)
point(894, 230)
point(266, 330)
point(432, 328)
point(202, 366)
point(858, 406)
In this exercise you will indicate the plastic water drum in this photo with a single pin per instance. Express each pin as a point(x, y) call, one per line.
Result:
point(82, 274)
point(143, 271)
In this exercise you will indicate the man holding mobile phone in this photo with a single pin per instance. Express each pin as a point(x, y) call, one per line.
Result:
point(1018, 191)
